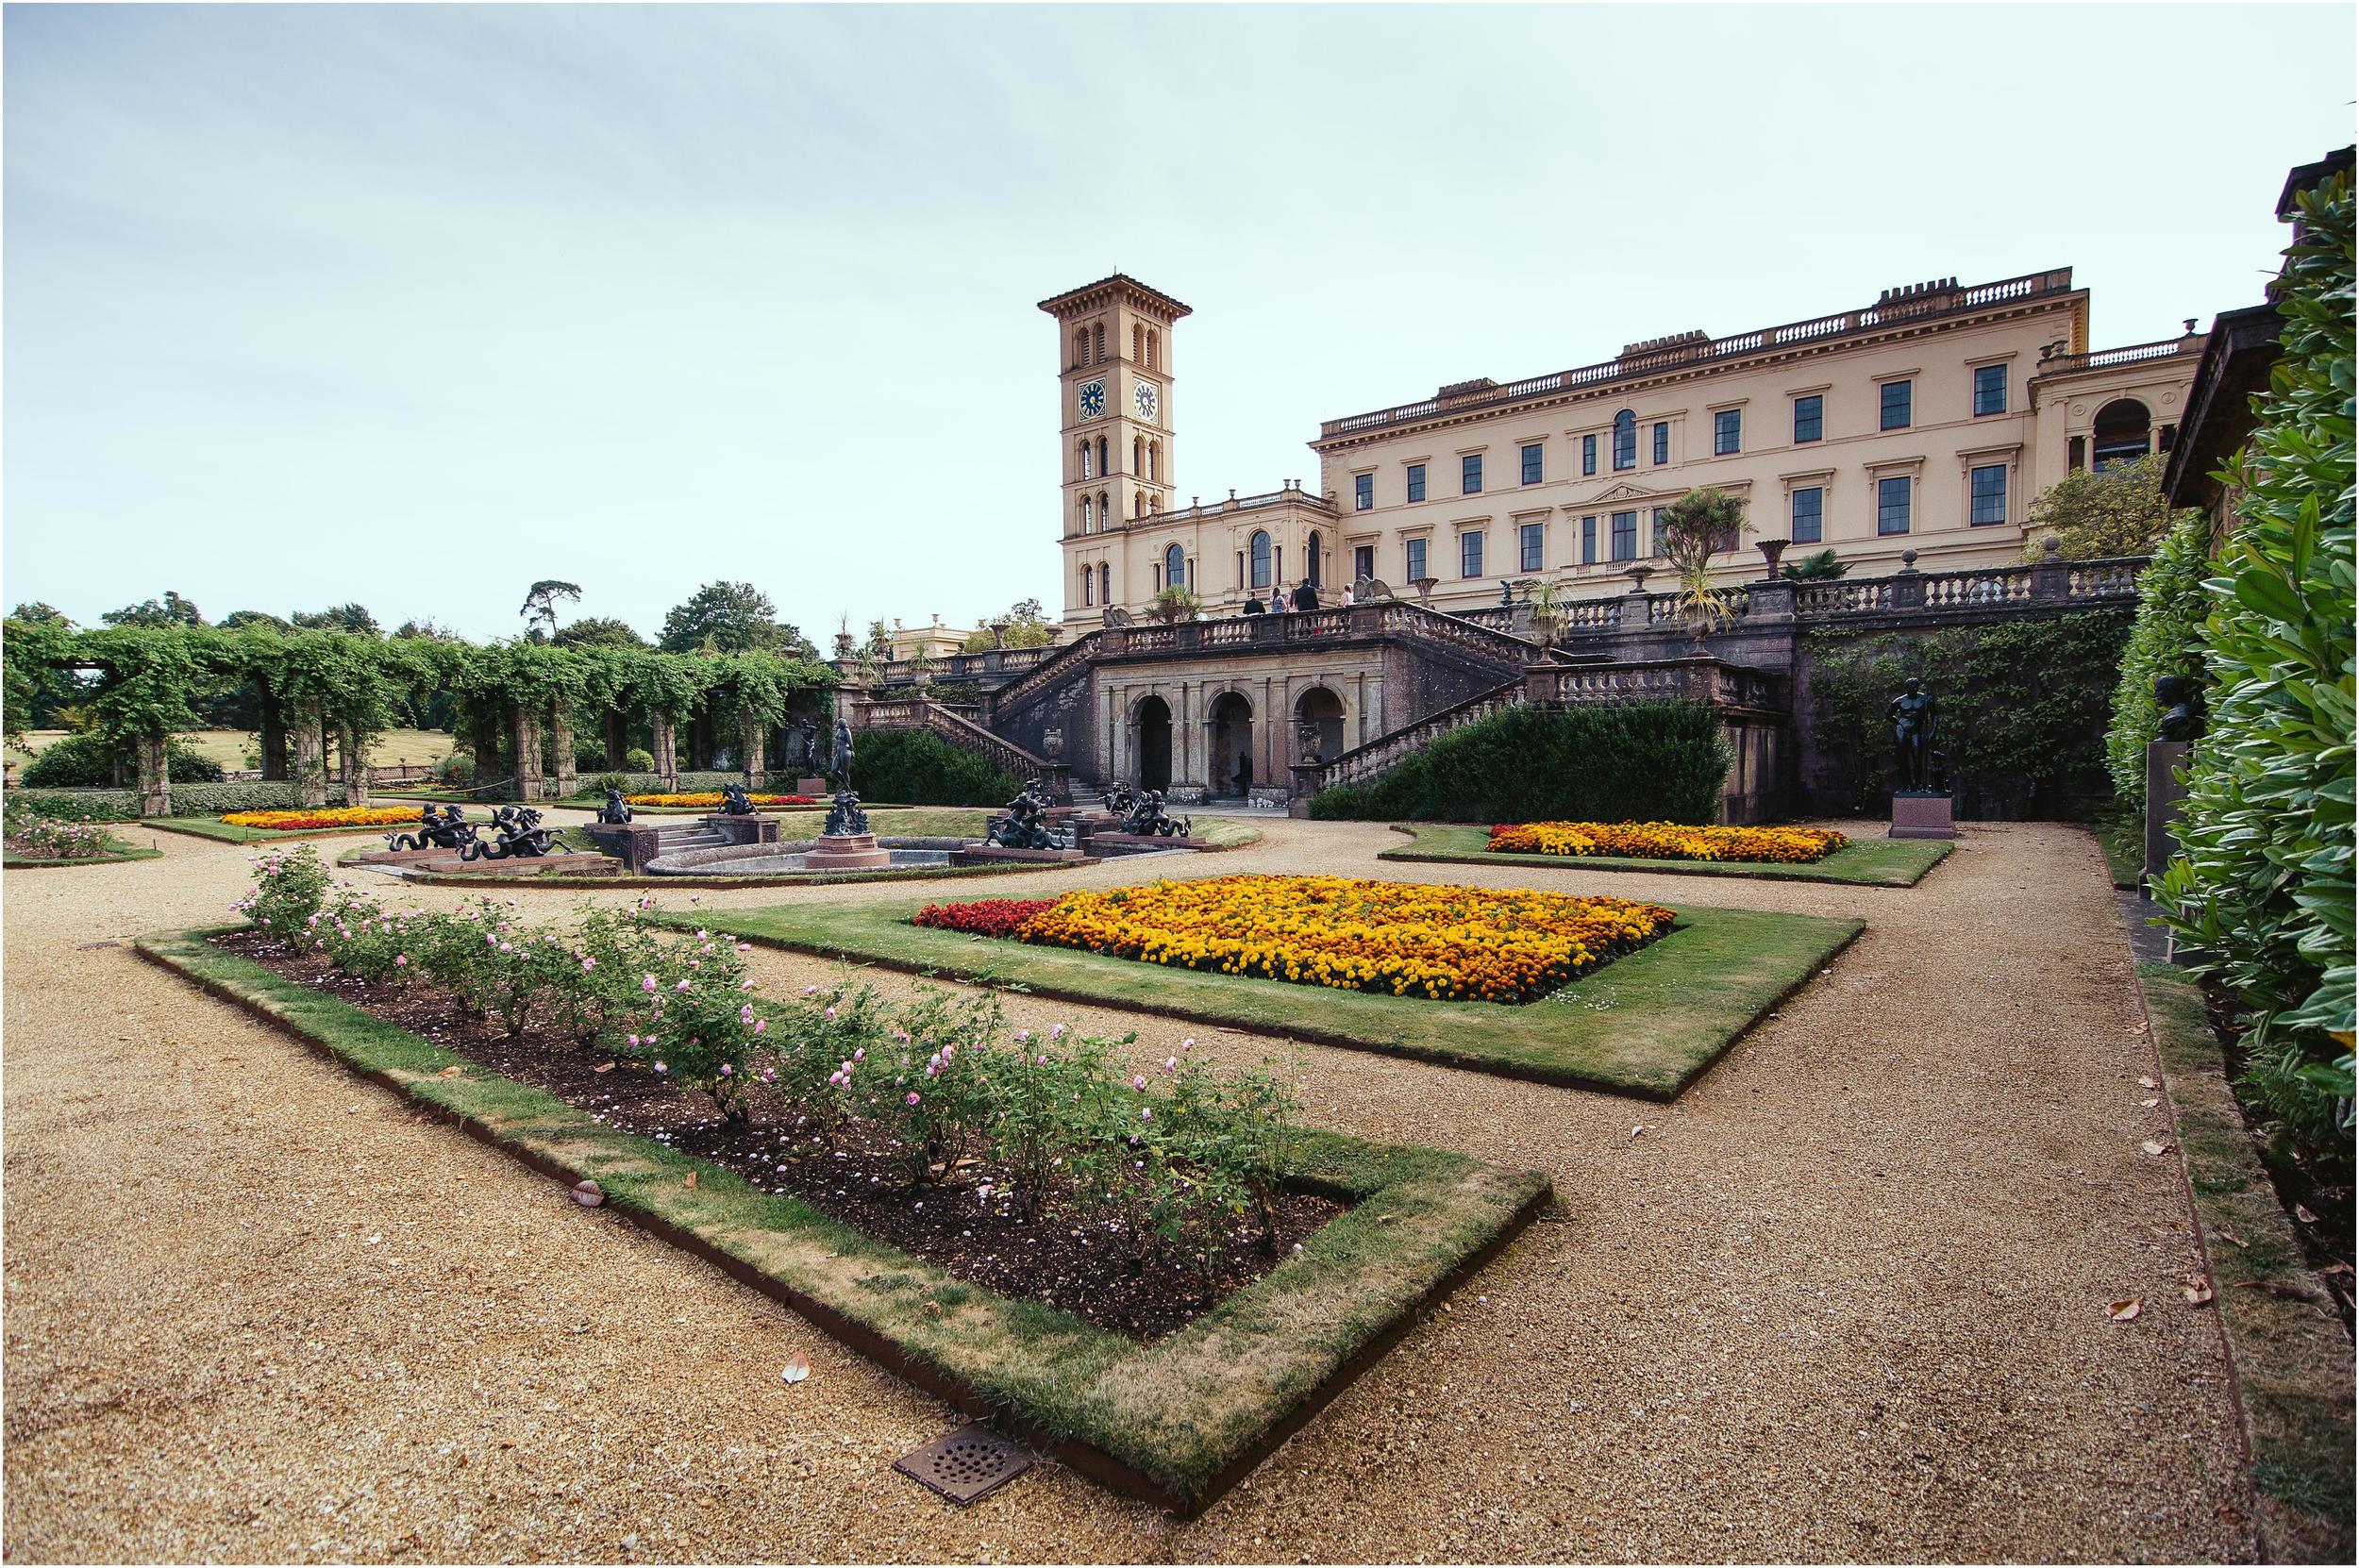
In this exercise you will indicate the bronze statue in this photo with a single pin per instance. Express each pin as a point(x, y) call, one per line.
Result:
point(1915, 721)
point(845, 817)
point(1145, 817)
point(1024, 826)
point(735, 802)
point(2178, 718)
point(841, 763)
point(520, 836)
point(444, 829)
point(806, 748)
point(616, 809)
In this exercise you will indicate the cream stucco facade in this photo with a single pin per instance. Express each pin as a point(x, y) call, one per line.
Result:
point(1926, 422)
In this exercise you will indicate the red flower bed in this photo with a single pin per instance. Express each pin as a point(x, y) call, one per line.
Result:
point(983, 917)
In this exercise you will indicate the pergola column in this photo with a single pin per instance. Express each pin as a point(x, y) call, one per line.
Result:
point(525, 737)
point(614, 746)
point(352, 756)
point(155, 777)
point(561, 729)
point(310, 760)
point(667, 751)
point(483, 727)
point(755, 738)
point(274, 737)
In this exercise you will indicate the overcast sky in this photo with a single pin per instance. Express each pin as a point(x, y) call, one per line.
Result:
point(415, 305)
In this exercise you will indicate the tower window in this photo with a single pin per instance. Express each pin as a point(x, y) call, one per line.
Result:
point(1089, 585)
point(1417, 481)
point(1810, 419)
point(1138, 343)
point(1258, 553)
point(1081, 347)
point(1151, 344)
point(1098, 338)
point(1531, 463)
point(1088, 467)
point(1105, 582)
point(1103, 466)
point(1895, 399)
point(1990, 390)
point(1625, 441)
point(1085, 515)
point(1105, 511)
point(1662, 441)
point(1364, 492)
point(1892, 505)
point(1808, 513)
point(1155, 460)
point(1987, 490)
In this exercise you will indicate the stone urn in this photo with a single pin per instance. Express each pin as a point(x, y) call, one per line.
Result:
point(1052, 744)
point(1770, 550)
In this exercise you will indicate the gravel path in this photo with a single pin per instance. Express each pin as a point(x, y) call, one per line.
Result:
point(1846, 1299)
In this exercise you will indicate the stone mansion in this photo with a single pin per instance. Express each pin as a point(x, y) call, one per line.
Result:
point(1926, 422)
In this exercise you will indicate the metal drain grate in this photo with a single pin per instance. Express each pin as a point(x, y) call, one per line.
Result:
point(969, 1463)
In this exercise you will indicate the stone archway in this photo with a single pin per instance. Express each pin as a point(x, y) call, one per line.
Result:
point(1152, 720)
point(1322, 710)
point(1228, 723)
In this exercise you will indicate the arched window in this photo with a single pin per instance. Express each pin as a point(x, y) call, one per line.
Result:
point(1105, 582)
point(1151, 345)
point(1098, 336)
point(1155, 460)
point(2122, 433)
point(1310, 567)
point(1138, 503)
point(1089, 585)
point(1175, 567)
point(1257, 549)
point(1138, 455)
point(1626, 440)
point(1089, 468)
point(1103, 466)
point(1085, 515)
point(1154, 506)
point(1138, 342)
point(1105, 511)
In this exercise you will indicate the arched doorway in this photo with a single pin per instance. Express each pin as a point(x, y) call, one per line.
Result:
point(1322, 710)
point(1153, 721)
point(1313, 572)
point(1229, 754)
point(2122, 433)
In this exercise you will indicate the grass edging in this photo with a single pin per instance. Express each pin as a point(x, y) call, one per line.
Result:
point(2289, 1362)
point(1652, 1021)
point(111, 857)
point(1870, 862)
point(1177, 1422)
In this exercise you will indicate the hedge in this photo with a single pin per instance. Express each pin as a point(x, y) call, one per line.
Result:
point(86, 760)
point(914, 768)
point(1650, 761)
point(188, 800)
point(2165, 640)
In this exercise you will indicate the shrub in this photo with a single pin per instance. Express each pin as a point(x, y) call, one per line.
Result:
point(455, 771)
point(1641, 761)
point(290, 885)
point(588, 754)
point(639, 760)
point(914, 768)
point(85, 761)
point(2165, 640)
point(78, 804)
point(39, 834)
point(605, 781)
point(2265, 880)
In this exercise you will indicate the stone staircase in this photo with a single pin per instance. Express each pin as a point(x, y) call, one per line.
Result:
point(672, 838)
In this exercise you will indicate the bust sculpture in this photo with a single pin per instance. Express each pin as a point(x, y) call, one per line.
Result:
point(1915, 719)
point(616, 809)
point(2177, 718)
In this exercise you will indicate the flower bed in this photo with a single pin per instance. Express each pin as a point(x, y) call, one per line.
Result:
point(1399, 938)
point(714, 797)
point(323, 816)
point(1667, 840)
point(982, 917)
point(32, 837)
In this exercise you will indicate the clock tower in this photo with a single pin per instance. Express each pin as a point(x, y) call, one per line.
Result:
point(1114, 426)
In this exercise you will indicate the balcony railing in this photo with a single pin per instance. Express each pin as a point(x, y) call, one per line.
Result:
point(1914, 306)
point(2134, 353)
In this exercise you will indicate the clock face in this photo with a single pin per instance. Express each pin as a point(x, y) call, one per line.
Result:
point(1144, 395)
point(1094, 400)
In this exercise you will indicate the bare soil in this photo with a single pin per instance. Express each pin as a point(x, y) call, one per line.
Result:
point(960, 1219)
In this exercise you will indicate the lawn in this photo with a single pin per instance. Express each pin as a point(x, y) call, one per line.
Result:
point(1864, 862)
point(1178, 1420)
point(1646, 1025)
point(214, 827)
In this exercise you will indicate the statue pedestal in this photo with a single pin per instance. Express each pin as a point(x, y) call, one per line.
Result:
point(846, 852)
point(2164, 796)
point(1921, 815)
point(812, 787)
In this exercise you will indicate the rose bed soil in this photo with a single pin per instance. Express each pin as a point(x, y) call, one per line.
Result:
point(1084, 1265)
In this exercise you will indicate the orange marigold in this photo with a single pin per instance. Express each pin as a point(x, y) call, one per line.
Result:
point(1666, 840)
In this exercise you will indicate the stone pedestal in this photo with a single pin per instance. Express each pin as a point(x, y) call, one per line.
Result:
point(2164, 796)
point(846, 852)
point(634, 844)
point(1921, 816)
point(815, 788)
point(754, 830)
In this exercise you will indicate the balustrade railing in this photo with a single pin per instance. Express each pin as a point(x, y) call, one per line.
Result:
point(1045, 674)
point(1387, 751)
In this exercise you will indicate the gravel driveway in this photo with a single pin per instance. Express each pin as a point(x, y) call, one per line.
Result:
point(1844, 1299)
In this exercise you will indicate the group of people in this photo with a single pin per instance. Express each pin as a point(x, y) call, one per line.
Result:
point(1305, 596)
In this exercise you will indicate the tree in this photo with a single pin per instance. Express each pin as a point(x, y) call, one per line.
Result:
point(599, 632)
point(540, 607)
point(238, 619)
point(174, 611)
point(41, 614)
point(1026, 626)
point(345, 617)
point(730, 617)
point(427, 629)
point(880, 645)
point(1176, 603)
point(1822, 566)
point(1694, 528)
point(2118, 512)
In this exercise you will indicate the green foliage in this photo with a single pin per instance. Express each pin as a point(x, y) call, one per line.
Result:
point(598, 631)
point(540, 607)
point(639, 760)
point(352, 618)
point(455, 769)
point(1174, 604)
point(730, 617)
point(2118, 512)
point(78, 804)
point(2163, 641)
point(2023, 706)
point(1819, 566)
point(913, 768)
point(86, 760)
point(1650, 761)
point(2265, 883)
point(1025, 625)
point(172, 611)
point(290, 885)
point(49, 837)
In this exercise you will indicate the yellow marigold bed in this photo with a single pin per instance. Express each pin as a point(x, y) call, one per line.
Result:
point(1666, 840)
point(324, 816)
point(713, 798)
point(1398, 939)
